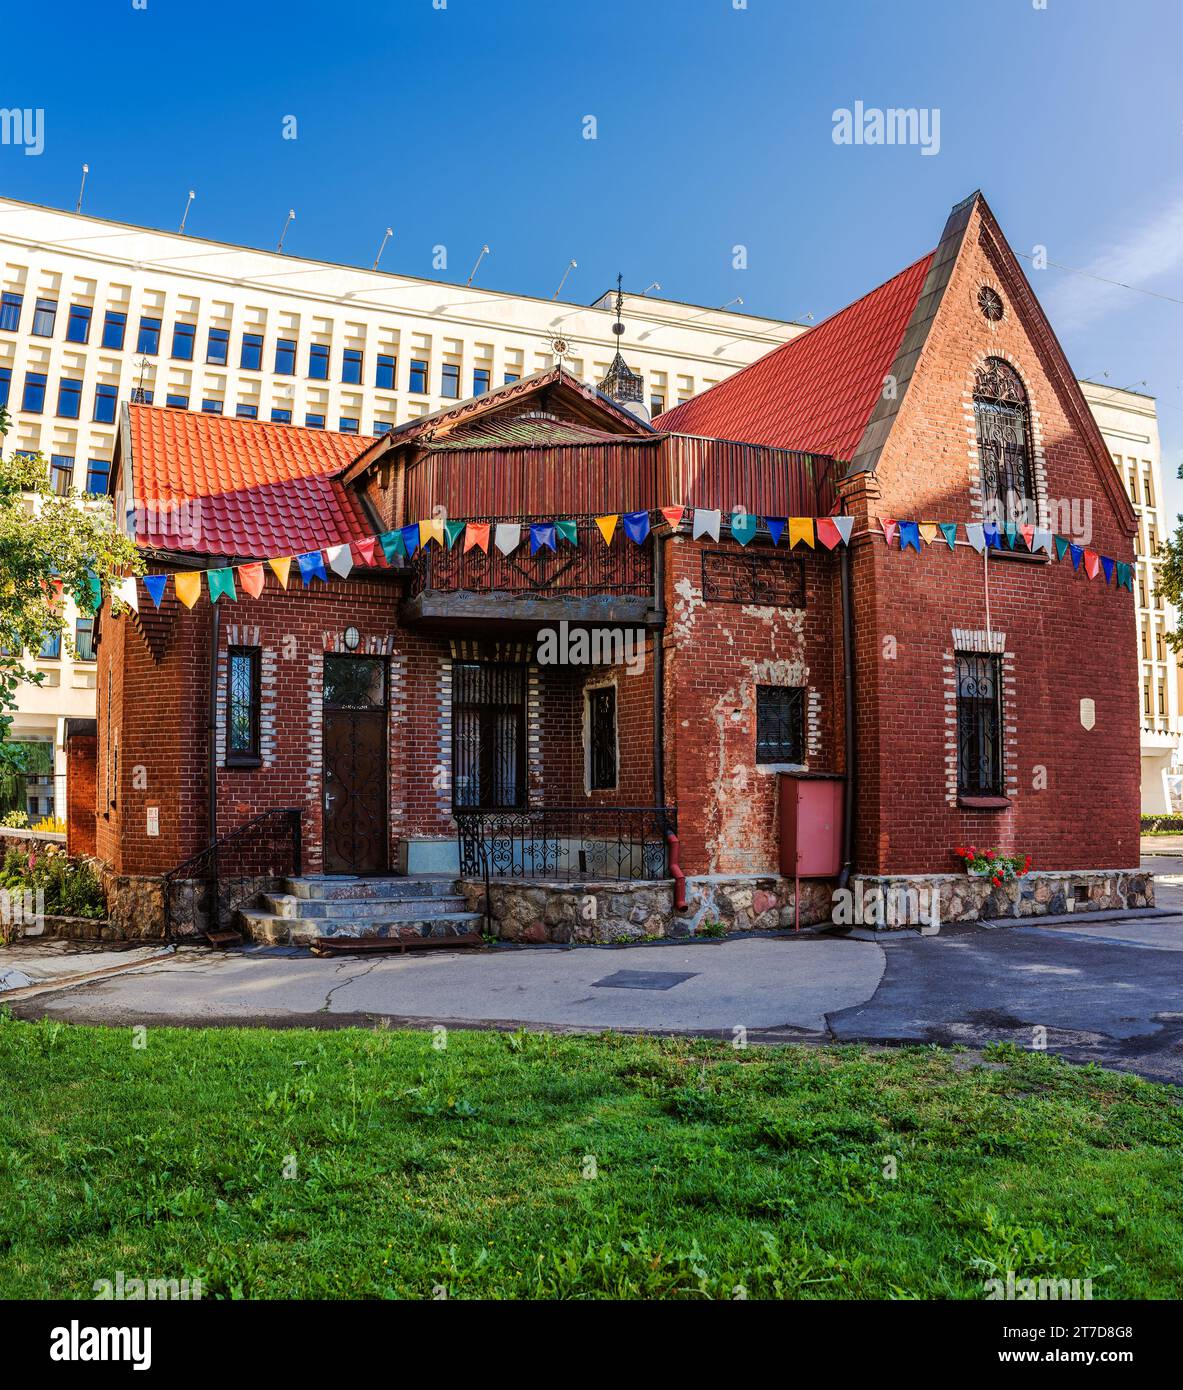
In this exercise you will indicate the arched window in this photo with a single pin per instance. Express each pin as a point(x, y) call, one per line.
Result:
point(1004, 444)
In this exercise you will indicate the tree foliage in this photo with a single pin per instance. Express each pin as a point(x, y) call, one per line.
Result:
point(50, 547)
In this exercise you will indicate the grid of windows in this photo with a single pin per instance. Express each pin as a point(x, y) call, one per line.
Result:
point(97, 475)
point(84, 639)
point(347, 425)
point(5, 384)
point(281, 416)
point(480, 381)
point(210, 406)
point(419, 376)
point(247, 412)
point(450, 381)
point(314, 422)
point(177, 402)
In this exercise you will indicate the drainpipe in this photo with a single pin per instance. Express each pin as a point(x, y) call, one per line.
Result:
point(848, 721)
point(212, 723)
point(659, 720)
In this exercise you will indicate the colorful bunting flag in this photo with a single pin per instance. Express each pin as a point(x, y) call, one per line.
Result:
point(410, 535)
point(92, 597)
point(801, 531)
point(1092, 563)
point(1028, 535)
point(776, 527)
point(928, 532)
point(507, 537)
point(221, 582)
point(156, 585)
point(125, 592)
point(542, 536)
point(949, 531)
point(364, 551)
point(706, 523)
point(188, 586)
point(845, 526)
point(1125, 576)
point(607, 525)
point(340, 559)
point(1077, 553)
point(1108, 566)
point(1011, 532)
point(431, 531)
point(991, 533)
point(476, 533)
point(889, 528)
point(281, 567)
point(1061, 547)
point(828, 532)
point(743, 527)
point(1042, 540)
point(910, 535)
point(453, 530)
point(975, 533)
point(673, 515)
point(252, 578)
point(567, 531)
point(636, 526)
point(312, 566)
point(392, 545)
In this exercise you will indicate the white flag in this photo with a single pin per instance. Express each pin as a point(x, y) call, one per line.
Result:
point(125, 592)
point(844, 525)
point(507, 537)
point(340, 559)
point(975, 535)
point(1042, 540)
point(706, 524)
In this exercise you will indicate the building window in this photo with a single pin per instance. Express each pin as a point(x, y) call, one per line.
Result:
point(114, 328)
point(247, 412)
point(780, 733)
point(10, 312)
point(61, 473)
point(351, 364)
point(217, 347)
point(44, 318)
point(656, 405)
point(488, 734)
point(1004, 447)
point(84, 639)
point(280, 416)
point(184, 339)
point(51, 647)
point(383, 426)
point(318, 362)
point(97, 475)
point(979, 724)
point(251, 357)
point(285, 357)
point(314, 422)
point(5, 384)
point(384, 378)
point(450, 381)
point(242, 706)
point(177, 402)
point(105, 400)
point(348, 426)
point(70, 397)
point(209, 406)
point(480, 381)
point(512, 376)
point(148, 339)
point(33, 398)
point(78, 323)
point(419, 376)
point(601, 738)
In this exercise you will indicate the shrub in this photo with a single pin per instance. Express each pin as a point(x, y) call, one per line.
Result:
point(15, 820)
point(1161, 825)
point(70, 886)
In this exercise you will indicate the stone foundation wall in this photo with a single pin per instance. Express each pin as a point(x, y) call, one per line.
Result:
point(961, 898)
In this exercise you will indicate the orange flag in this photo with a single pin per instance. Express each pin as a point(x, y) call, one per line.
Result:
point(800, 529)
point(928, 532)
point(188, 586)
point(476, 533)
point(282, 567)
point(674, 515)
point(252, 578)
point(607, 525)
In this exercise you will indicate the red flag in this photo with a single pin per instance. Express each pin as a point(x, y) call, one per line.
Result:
point(477, 533)
point(674, 515)
point(890, 527)
point(827, 532)
point(1028, 535)
point(363, 551)
point(252, 578)
point(1092, 563)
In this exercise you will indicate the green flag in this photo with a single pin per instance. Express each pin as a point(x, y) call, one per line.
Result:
point(221, 582)
point(454, 530)
point(567, 531)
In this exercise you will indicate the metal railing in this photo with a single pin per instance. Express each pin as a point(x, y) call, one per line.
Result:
point(202, 894)
point(583, 570)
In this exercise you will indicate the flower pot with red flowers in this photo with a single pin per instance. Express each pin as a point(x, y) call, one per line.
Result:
point(999, 868)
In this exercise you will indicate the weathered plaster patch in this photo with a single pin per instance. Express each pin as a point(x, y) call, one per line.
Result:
point(686, 607)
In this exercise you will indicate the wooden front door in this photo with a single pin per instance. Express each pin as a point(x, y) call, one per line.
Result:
point(356, 836)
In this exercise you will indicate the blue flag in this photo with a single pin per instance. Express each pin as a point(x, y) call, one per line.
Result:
point(1077, 553)
point(156, 585)
point(910, 535)
point(542, 536)
point(312, 566)
point(990, 531)
point(410, 535)
point(743, 526)
point(1108, 566)
point(776, 527)
point(636, 525)
point(949, 531)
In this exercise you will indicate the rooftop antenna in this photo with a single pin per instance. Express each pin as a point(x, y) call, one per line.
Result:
point(737, 300)
point(653, 286)
point(484, 252)
point(571, 265)
point(82, 187)
point(185, 214)
point(286, 225)
point(139, 396)
point(385, 239)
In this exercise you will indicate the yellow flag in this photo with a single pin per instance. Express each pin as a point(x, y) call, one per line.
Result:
point(188, 586)
point(928, 532)
point(607, 525)
point(281, 567)
point(800, 529)
point(431, 531)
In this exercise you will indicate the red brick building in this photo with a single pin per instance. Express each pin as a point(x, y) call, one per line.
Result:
point(442, 707)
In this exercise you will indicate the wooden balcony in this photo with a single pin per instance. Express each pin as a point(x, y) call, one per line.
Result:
point(589, 583)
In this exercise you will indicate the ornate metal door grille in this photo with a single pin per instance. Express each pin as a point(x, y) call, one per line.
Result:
point(979, 725)
point(779, 724)
point(602, 731)
point(1004, 432)
point(488, 734)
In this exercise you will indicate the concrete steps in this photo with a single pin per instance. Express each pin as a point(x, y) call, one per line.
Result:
point(388, 908)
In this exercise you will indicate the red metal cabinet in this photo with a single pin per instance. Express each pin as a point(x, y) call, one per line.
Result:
point(810, 825)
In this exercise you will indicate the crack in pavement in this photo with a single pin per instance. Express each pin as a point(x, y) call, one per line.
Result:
point(344, 984)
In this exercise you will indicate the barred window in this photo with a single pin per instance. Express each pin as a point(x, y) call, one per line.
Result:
point(979, 724)
point(780, 734)
point(1004, 445)
point(601, 717)
point(488, 734)
point(242, 711)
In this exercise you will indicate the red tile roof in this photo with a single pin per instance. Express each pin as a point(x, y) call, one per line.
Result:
point(253, 489)
point(817, 392)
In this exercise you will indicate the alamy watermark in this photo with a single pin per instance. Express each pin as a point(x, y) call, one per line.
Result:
point(872, 125)
point(595, 646)
point(23, 125)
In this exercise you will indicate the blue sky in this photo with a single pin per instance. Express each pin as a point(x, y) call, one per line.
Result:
point(464, 125)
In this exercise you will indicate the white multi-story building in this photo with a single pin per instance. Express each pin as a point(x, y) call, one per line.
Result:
point(92, 310)
point(1129, 422)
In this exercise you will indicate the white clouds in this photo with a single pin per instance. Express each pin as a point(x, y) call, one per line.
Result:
point(1151, 251)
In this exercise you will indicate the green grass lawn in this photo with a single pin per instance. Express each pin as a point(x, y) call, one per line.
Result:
point(526, 1165)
